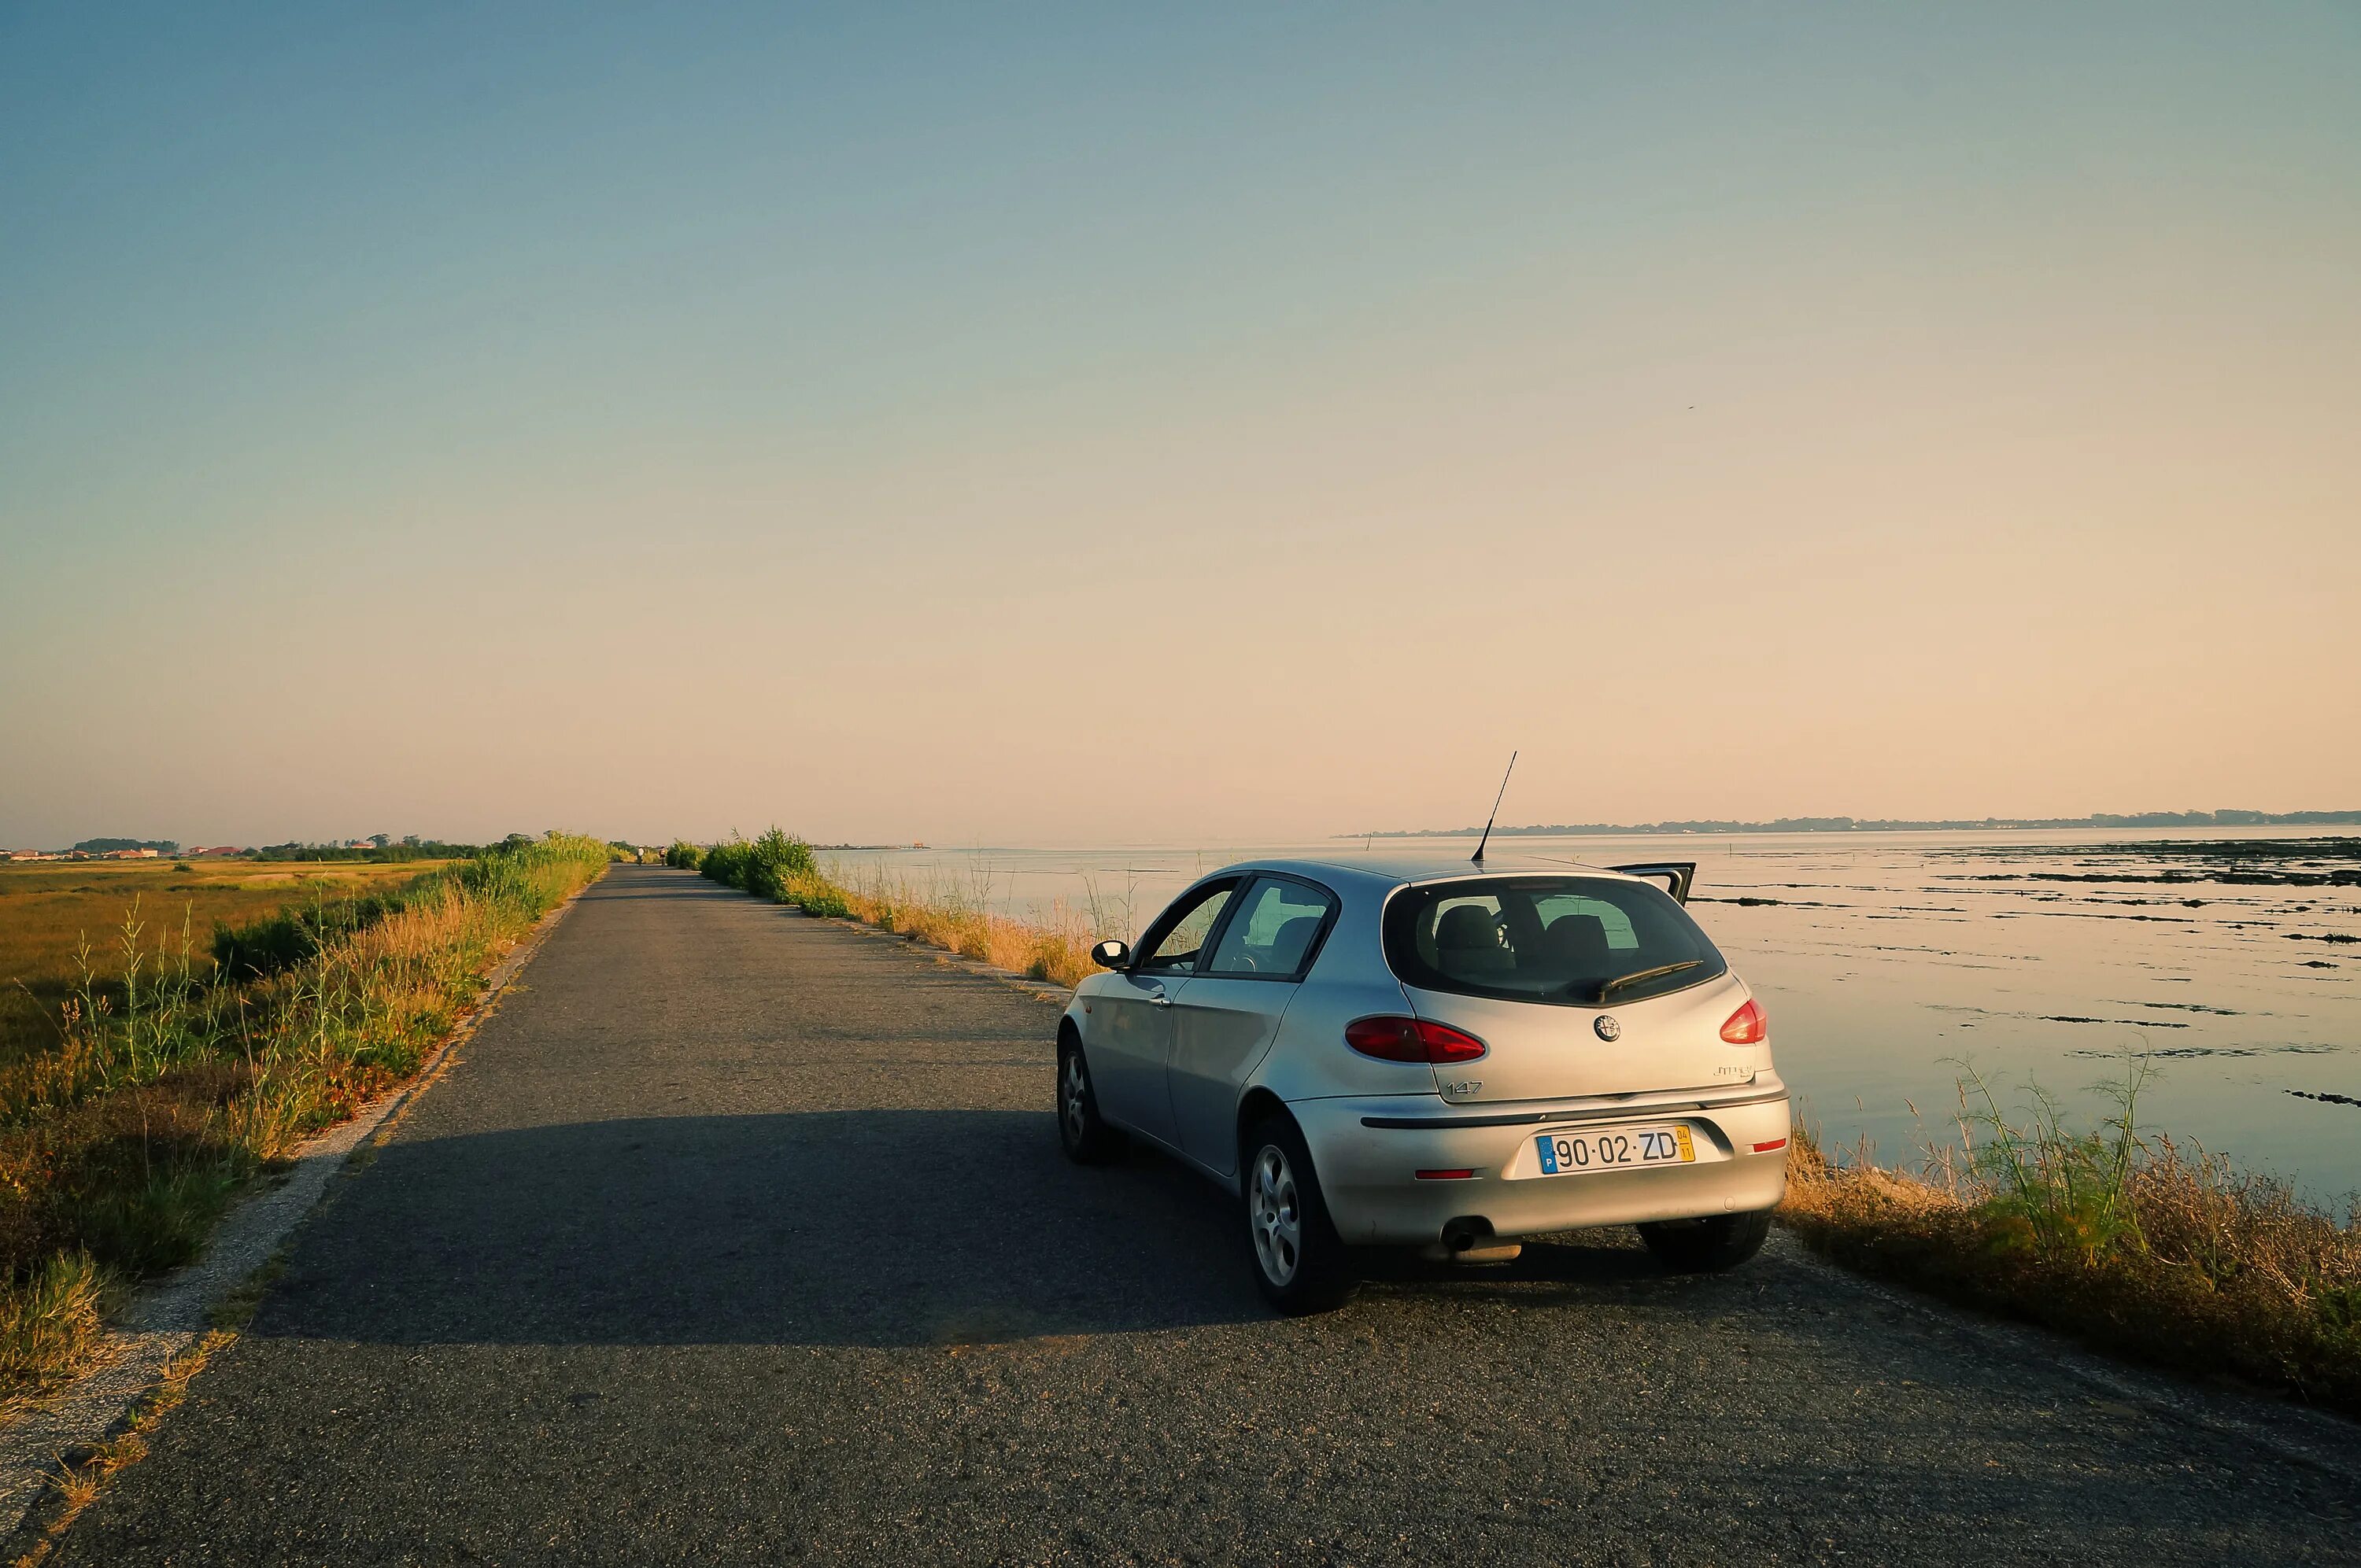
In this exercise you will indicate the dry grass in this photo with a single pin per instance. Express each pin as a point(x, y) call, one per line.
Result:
point(47, 908)
point(957, 920)
point(48, 1325)
point(2130, 1241)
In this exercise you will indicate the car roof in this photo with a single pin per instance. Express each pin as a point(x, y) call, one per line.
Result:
point(1394, 867)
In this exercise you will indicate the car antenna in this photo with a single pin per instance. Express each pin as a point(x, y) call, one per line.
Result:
point(1479, 856)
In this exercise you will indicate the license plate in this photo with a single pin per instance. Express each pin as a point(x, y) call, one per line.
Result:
point(1571, 1153)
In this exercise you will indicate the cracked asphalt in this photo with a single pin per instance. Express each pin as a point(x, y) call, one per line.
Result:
point(736, 1236)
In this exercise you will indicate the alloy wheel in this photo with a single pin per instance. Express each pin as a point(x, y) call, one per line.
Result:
point(1276, 1214)
point(1074, 1099)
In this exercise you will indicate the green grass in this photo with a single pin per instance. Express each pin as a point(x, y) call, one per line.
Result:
point(167, 1090)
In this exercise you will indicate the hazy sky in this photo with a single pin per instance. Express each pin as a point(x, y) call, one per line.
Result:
point(1055, 425)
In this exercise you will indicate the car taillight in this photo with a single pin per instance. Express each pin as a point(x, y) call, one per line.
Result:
point(1410, 1039)
point(1747, 1026)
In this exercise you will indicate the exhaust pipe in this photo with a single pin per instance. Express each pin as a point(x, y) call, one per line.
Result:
point(1471, 1241)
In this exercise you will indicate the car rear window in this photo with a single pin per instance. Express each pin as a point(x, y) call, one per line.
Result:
point(1583, 941)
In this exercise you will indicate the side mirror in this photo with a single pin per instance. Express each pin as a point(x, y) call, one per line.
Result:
point(1112, 954)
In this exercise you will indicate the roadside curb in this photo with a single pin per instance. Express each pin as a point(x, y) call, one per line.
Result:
point(165, 1320)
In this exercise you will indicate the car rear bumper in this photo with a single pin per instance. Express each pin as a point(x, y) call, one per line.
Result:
point(1368, 1155)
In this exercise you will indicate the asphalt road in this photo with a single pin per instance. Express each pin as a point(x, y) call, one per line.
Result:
point(739, 1236)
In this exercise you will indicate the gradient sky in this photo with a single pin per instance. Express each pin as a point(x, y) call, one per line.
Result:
point(1059, 425)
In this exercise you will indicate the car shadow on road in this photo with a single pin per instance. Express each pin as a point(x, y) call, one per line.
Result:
point(868, 1227)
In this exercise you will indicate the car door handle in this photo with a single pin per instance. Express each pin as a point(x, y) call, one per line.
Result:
point(1158, 999)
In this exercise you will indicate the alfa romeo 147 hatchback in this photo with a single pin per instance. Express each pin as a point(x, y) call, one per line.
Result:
point(1374, 1051)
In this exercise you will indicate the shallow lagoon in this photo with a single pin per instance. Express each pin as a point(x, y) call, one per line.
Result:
point(1888, 960)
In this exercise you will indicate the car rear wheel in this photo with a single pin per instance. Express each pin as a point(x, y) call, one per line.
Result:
point(1084, 1133)
point(1299, 1261)
point(1708, 1245)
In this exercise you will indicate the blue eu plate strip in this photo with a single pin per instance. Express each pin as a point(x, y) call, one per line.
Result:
point(1549, 1155)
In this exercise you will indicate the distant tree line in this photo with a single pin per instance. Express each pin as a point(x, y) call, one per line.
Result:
point(382, 848)
point(2225, 818)
point(108, 846)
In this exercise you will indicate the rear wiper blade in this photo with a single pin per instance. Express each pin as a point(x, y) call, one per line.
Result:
point(1619, 982)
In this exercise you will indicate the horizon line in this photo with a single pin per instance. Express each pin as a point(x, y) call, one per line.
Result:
point(2227, 816)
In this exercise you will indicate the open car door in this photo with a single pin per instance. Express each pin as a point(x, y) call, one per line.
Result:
point(1677, 875)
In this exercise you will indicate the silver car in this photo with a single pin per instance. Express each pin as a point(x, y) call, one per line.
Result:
point(1383, 1051)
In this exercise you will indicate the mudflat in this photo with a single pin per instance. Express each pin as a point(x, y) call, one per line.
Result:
point(740, 1236)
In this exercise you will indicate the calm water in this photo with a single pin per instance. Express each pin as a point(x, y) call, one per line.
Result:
point(1885, 959)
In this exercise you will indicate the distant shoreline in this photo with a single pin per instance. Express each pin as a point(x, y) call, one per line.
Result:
point(1861, 825)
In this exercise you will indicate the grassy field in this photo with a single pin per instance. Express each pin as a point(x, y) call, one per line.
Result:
point(48, 910)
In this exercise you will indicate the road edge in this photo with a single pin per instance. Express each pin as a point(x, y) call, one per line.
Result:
point(2278, 1424)
point(164, 1320)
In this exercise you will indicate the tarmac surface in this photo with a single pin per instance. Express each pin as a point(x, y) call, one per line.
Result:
point(739, 1237)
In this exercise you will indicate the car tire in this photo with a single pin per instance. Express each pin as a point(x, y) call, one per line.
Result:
point(1300, 1264)
point(1710, 1245)
point(1081, 1131)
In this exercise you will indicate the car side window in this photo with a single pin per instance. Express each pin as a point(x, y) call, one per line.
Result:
point(1273, 930)
point(1184, 929)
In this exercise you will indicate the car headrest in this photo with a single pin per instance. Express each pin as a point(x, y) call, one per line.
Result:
point(1288, 943)
point(1578, 943)
point(1467, 925)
